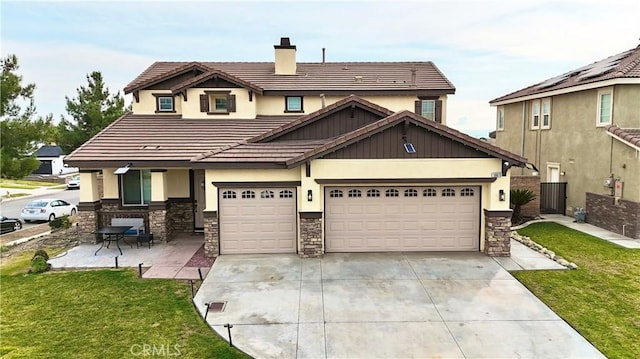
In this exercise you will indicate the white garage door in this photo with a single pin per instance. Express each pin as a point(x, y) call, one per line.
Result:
point(257, 220)
point(376, 219)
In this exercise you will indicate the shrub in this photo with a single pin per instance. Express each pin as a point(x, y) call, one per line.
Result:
point(42, 253)
point(520, 197)
point(60, 223)
point(39, 262)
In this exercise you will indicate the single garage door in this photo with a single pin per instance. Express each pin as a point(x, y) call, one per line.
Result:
point(377, 219)
point(257, 220)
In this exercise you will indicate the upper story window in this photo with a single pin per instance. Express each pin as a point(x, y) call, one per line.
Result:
point(164, 103)
point(428, 109)
point(293, 104)
point(535, 114)
point(500, 119)
point(546, 113)
point(135, 188)
point(217, 102)
point(605, 107)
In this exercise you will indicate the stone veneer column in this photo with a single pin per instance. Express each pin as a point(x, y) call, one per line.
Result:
point(211, 237)
point(159, 221)
point(311, 245)
point(88, 221)
point(497, 236)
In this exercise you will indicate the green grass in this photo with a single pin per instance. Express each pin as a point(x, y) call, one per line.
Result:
point(602, 298)
point(22, 184)
point(103, 313)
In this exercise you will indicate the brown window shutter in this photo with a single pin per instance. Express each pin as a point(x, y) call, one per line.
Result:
point(419, 107)
point(231, 103)
point(438, 111)
point(204, 103)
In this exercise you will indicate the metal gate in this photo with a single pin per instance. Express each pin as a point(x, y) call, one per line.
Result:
point(553, 197)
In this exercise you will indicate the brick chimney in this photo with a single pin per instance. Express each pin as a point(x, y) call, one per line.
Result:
point(285, 57)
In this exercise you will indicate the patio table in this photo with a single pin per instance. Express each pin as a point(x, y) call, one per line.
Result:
point(112, 234)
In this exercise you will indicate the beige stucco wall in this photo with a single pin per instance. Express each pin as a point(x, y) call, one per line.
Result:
point(147, 103)
point(110, 183)
point(275, 105)
point(178, 183)
point(585, 153)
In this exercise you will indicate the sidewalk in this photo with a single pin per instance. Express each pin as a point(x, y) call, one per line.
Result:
point(8, 193)
point(587, 228)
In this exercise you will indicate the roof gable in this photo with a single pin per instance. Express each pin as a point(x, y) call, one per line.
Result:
point(161, 72)
point(629, 136)
point(455, 144)
point(336, 119)
point(49, 151)
point(214, 74)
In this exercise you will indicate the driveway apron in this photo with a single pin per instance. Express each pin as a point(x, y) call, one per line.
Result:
point(379, 305)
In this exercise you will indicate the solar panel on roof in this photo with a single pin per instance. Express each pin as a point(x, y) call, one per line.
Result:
point(603, 66)
point(554, 80)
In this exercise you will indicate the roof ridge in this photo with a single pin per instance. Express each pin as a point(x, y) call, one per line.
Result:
point(218, 150)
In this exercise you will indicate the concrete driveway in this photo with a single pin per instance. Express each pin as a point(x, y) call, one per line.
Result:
point(403, 305)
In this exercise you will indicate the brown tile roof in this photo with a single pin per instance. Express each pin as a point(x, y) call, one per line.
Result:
point(338, 76)
point(401, 116)
point(165, 139)
point(270, 152)
point(629, 135)
point(622, 65)
point(314, 116)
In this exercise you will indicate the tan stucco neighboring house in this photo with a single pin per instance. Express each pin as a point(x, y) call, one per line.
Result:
point(307, 158)
point(582, 128)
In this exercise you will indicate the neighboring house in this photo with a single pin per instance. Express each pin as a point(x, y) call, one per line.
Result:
point(303, 158)
point(51, 159)
point(583, 128)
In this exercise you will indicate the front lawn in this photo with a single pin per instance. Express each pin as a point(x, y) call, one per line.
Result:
point(602, 298)
point(101, 314)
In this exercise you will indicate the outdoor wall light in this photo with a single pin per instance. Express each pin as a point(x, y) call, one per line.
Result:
point(501, 195)
point(309, 195)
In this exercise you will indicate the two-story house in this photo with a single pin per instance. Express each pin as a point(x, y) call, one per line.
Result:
point(290, 157)
point(582, 128)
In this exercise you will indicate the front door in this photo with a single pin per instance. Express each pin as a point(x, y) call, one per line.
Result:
point(199, 198)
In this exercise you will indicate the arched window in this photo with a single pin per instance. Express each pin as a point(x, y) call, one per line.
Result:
point(392, 192)
point(286, 194)
point(410, 192)
point(373, 193)
point(355, 193)
point(335, 193)
point(248, 194)
point(266, 194)
point(467, 192)
point(229, 194)
point(429, 192)
point(448, 192)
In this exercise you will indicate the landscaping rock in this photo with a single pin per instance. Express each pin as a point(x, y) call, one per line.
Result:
point(542, 250)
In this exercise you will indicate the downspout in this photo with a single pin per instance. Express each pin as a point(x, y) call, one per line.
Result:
point(524, 111)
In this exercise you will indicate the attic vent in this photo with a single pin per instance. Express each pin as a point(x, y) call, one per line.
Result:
point(150, 147)
point(358, 78)
point(345, 67)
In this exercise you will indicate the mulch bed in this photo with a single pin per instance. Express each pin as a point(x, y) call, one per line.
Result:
point(199, 259)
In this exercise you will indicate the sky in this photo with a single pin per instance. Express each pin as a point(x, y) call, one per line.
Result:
point(485, 48)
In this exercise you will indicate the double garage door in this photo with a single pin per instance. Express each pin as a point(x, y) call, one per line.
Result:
point(379, 219)
point(357, 219)
point(257, 220)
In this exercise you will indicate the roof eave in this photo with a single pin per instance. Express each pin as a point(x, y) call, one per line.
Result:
point(589, 86)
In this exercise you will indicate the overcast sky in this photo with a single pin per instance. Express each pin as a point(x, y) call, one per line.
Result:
point(485, 48)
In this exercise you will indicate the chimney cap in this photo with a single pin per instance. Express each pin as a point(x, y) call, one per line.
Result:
point(285, 43)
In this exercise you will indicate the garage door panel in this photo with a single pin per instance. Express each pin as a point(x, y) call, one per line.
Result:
point(417, 219)
point(263, 224)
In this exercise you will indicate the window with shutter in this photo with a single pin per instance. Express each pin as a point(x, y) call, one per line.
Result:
point(204, 103)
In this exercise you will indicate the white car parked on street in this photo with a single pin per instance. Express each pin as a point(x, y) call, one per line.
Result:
point(47, 210)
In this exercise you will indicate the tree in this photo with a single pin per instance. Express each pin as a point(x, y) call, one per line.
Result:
point(93, 110)
point(20, 135)
point(520, 197)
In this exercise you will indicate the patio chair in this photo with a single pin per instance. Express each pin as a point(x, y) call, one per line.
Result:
point(144, 238)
